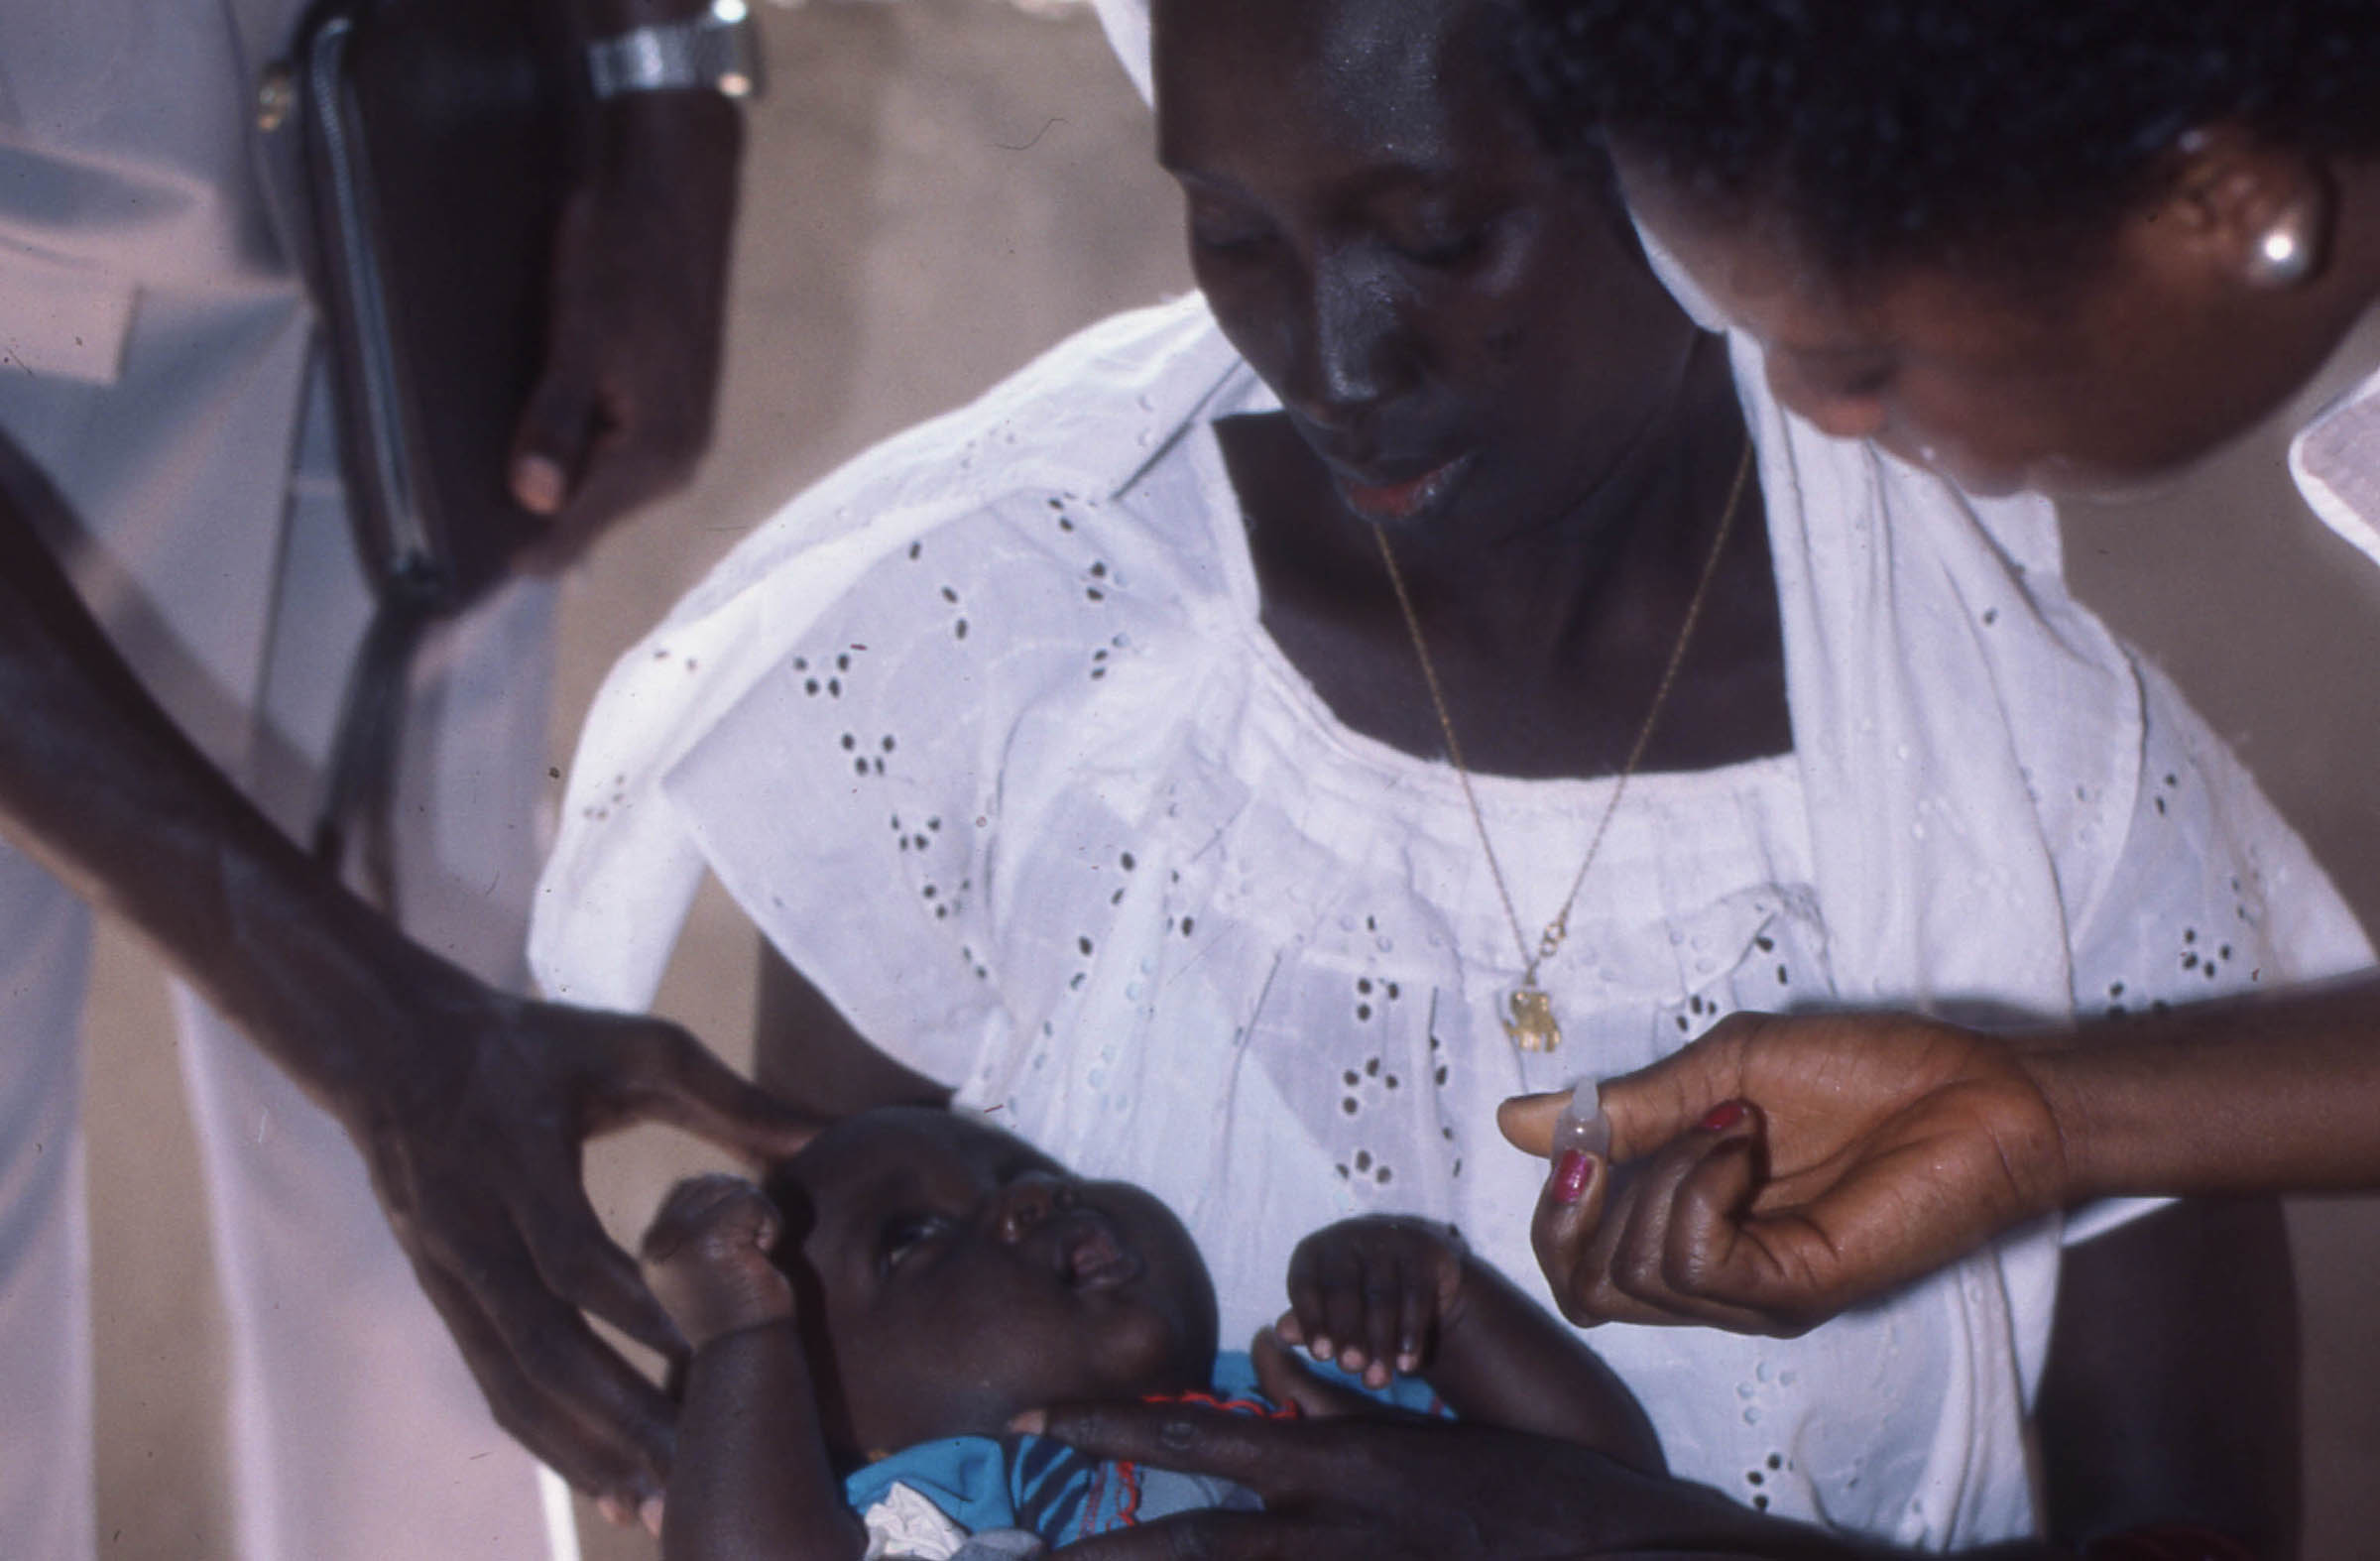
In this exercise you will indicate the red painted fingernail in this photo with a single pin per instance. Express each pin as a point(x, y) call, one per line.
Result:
point(1723, 1117)
point(1572, 1172)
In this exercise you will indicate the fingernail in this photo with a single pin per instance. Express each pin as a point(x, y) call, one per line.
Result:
point(615, 1512)
point(1583, 1124)
point(1321, 1348)
point(1029, 1422)
point(1572, 1172)
point(651, 1513)
point(1723, 1117)
point(538, 484)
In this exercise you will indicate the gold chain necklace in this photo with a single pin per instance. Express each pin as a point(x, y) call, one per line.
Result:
point(1529, 1015)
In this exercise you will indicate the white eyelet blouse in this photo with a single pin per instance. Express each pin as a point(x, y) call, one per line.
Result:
point(986, 735)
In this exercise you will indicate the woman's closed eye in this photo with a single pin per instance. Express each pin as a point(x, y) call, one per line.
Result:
point(1436, 238)
point(1223, 232)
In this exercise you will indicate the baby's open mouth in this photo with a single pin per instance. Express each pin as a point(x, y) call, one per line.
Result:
point(1092, 1255)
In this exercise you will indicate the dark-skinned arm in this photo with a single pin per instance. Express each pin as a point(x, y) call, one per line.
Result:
point(1506, 1361)
point(468, 1104)
point(1399, 1487)
point(1387, 1293)
point(1880, 1147)
point(624, 406)
point(752, 1480)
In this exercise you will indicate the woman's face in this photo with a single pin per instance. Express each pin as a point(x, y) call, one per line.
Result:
point(1465, 334)
point(2106, 381)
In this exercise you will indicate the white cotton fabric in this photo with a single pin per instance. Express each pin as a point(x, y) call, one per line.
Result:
point(986, 735)
point(907, 1527)
point(1126, 22)
point(2336, 460)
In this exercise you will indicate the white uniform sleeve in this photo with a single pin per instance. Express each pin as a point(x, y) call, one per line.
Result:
point(2213, 894)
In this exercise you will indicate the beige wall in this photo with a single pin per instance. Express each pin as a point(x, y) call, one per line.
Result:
point(937, 191)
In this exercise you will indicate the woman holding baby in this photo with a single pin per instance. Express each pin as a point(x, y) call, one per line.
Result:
point(1275, 727)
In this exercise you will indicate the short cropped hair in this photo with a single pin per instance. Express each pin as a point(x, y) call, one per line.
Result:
point(1886, 132)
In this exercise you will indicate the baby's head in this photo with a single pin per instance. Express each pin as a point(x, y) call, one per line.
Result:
point(950, 1276)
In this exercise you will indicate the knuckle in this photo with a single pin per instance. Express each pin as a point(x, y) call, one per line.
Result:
point(1580, 1304)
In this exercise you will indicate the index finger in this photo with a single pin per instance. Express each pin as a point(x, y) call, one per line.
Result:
point(1263, 1455)
point(666, 1076)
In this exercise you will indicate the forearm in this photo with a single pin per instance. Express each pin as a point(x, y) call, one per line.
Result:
point(2278, 1092)
point(97, 781)
point(752, 1481)
point(1506, 1360)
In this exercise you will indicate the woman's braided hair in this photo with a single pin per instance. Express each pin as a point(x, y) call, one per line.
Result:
point(1891, 131)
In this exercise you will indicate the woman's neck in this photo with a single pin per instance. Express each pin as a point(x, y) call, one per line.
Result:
point(1549, 638)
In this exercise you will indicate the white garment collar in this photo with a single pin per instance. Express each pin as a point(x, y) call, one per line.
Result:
point(2336, 460)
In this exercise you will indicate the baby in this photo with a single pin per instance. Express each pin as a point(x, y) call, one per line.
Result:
point(914, 1279)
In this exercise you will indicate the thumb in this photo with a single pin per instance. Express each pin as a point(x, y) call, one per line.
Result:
point(1286, 1381)
point(1527, 1121)
point(1658, 1104)
point(671, 1078)
point(551, 443)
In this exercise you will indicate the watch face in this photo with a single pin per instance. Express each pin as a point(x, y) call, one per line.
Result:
point(717, 50)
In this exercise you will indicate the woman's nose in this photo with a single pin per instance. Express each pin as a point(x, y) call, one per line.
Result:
point(1028, 1201)
point(1356, 353)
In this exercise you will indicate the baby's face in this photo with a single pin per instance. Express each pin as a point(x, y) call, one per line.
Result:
point(964, 1277)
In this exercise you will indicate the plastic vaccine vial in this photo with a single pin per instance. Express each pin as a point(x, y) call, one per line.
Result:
point(1583, 1124)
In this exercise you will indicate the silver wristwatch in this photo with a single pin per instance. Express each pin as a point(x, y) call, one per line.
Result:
point(719, 50)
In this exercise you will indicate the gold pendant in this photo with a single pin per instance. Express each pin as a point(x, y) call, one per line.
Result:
point(1530, 1019)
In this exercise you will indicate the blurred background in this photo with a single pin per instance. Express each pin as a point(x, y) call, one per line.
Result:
point(934, 191)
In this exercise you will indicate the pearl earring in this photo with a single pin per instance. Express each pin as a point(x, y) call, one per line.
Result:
point(2285, 252)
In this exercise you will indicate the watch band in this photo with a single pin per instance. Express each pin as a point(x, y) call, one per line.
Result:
point(719, 50)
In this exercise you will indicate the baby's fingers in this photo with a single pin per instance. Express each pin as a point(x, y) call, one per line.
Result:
point(1393, 1315)
point(1306, 1324)
point(714, 1208)
point(1342, 1332)
point(1417, 1317)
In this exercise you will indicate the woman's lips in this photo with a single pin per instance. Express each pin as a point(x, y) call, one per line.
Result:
point(1405, 499)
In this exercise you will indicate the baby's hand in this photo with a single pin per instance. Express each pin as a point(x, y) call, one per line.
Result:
point(1373, 1294)
point(707, 1258)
